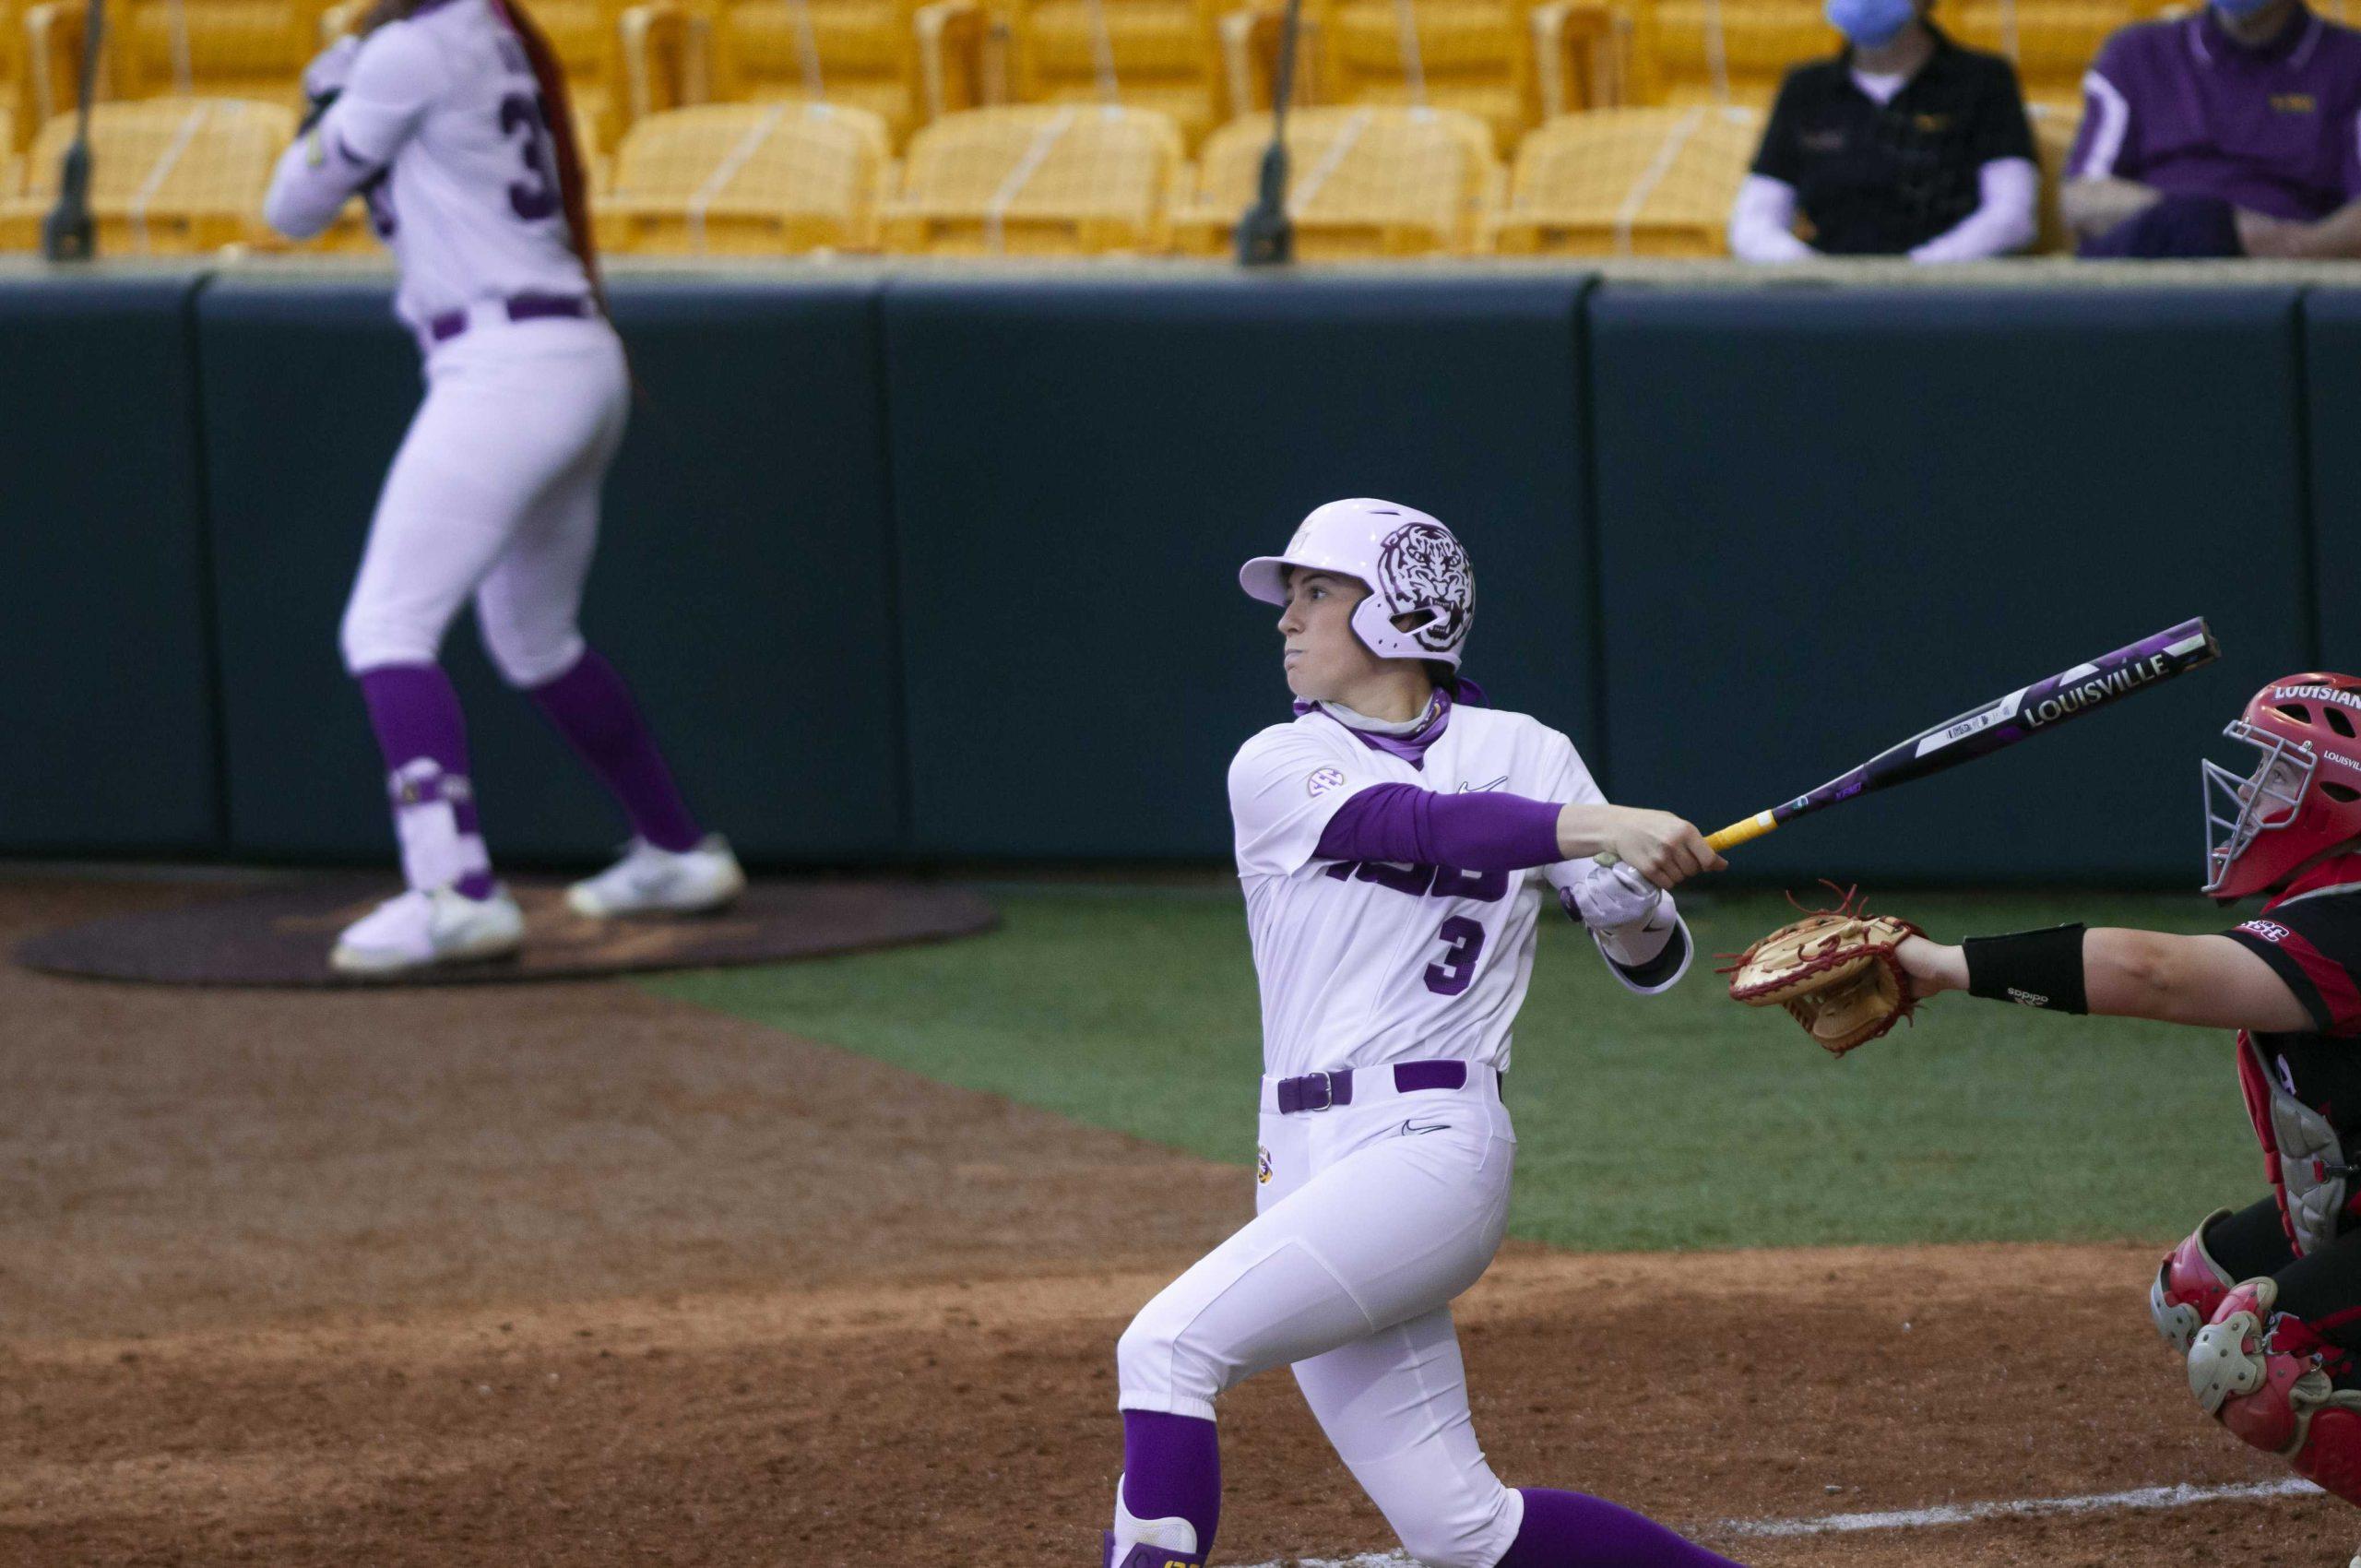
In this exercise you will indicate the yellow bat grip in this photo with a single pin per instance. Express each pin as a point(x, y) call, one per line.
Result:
point(1754, 827)
point(1737, 832)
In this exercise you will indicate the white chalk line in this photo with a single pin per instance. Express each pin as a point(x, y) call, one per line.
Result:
point(2146, 1497)
point(2180, 1496)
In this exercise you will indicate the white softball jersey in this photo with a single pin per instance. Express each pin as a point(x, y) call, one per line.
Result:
point(445, 102)
point(1363, 963)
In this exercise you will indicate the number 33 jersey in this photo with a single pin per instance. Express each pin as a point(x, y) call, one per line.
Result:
point(445, 104)
point(1362, 963)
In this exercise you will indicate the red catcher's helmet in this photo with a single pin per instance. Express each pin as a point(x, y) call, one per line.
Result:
point(2302, 797)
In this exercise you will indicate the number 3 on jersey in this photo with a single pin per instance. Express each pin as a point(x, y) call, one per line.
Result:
point(535, 197)
point(1463, 941)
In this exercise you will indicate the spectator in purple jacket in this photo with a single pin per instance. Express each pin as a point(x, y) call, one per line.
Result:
point(2234, 132)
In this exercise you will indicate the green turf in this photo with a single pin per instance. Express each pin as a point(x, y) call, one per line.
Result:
point(1671, 1121)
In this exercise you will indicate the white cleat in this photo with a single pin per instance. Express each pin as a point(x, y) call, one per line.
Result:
point(427, 927)
point(649, 881)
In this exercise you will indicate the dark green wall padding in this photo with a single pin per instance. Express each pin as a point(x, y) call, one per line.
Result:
point(107, 742)
point(1829, 520)
point(2333, 363)
point(917, 565)
point(1078, 472)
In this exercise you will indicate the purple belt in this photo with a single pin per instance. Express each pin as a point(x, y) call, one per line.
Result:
point(1322, 1091)
point(520, 307)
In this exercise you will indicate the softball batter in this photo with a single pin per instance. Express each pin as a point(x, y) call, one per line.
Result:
point(1388, 842)
point(449, 118)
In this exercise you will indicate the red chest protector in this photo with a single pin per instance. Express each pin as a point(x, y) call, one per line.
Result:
point(2305, 1155)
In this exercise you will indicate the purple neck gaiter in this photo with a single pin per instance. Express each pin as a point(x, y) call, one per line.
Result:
point(1410, 745)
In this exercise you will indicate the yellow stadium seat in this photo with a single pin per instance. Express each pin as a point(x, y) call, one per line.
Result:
point(2052, 138)
point(1690, 52)
point(906, 63)
point(1037, 180)
point(1365, 182)
point(1160, 54)
point(1477, 56)
point(174, 176)
point(2052, 42)
point(16, 92)
point(253, 50)
point(745, 179)
point(1629, 182)
point(586, 35)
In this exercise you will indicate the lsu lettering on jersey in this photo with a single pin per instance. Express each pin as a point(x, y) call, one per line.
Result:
point(1366, 963)
point(445, 106)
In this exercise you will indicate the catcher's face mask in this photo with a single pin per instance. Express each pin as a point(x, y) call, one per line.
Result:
point(2241, 807)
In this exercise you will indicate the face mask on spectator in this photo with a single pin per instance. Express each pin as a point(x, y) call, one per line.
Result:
point(2239, 10)
point(1873, 24)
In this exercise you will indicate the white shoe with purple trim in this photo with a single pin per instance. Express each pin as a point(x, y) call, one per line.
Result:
point(426, 927)
point(649, 881)
point(1147, 1543)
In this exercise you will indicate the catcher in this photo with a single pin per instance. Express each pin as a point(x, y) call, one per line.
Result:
point(2265, 1302)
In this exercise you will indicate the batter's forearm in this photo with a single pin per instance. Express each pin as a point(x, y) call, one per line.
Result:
point(1584, 830)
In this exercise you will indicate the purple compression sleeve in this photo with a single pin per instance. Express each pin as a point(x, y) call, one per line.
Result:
point(1172, 1468)
point(1475, 832)
point(1566, 1530)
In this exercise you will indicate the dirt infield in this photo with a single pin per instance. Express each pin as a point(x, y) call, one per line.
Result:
point(567, 1275)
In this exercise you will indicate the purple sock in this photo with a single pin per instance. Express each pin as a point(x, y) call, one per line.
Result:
point(416, 715)
point(1172, 1466)
point(592, 708)
point(1566, 1530)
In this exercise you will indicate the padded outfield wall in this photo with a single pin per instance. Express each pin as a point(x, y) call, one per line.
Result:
point(940, 565)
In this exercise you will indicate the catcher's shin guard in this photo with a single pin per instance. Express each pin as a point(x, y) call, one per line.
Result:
point(2267, 1376)
point(2189, 1286)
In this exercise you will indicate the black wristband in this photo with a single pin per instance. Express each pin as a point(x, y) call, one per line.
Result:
point(2036, 968)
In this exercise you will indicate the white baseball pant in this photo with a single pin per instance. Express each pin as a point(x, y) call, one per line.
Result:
point(1372, 1217)
point(494, 494)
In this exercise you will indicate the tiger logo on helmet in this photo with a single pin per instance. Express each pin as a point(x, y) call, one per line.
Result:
point(1422, 586)
point(1421, 566)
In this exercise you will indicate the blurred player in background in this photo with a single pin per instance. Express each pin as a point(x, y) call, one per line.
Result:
point(449, 118)
point(1392, 841)
point(2266, 1301)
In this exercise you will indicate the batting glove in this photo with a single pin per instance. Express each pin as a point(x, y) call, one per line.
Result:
point(1613, 898)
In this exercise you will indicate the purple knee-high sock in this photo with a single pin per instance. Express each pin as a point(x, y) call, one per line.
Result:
point(1567, 1529)
point(1172, 1466)
point(592, 708)
point(416, 715)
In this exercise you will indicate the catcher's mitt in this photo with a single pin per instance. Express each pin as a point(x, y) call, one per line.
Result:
point(1834, 970)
